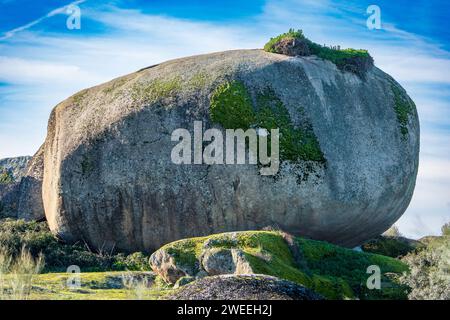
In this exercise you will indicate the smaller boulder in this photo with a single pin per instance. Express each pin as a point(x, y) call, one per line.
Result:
point(217, 261)
point(243, 287)
point(166, 265)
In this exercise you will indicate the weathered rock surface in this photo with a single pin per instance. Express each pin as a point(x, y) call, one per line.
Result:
point(164, 264)
point(243, 287)
point(225, 261)
point(23, 197)
point(109, 178)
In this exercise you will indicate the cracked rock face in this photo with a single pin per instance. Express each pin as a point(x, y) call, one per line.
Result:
point(109, 178)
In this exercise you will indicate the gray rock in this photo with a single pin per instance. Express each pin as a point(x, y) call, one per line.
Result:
point(225, 261)
point(30, 206)
point(16, 166)
point(243, 287)
point(109, 178)
point(23, 197)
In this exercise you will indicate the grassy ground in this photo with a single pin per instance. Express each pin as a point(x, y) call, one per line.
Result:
point(95, 286)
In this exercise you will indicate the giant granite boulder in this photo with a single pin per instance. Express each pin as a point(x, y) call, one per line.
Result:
point(349, 149)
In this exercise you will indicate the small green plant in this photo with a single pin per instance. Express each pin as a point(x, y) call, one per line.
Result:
point(136, 261)
point(155, 90)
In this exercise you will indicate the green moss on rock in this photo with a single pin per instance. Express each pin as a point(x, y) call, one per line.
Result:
point(357, 61)
point(403, 107)
point(291, 34)
point(232, 107)
point(295, 143)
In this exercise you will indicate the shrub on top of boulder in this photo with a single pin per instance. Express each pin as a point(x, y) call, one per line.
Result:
point(294, 43)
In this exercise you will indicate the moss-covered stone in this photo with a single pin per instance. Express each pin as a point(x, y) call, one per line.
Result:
point(335, 272)
point(232, 107)
point(155, 90)
point(403, 107)
point(295, 143)
point(357, 61)
point(198, 80)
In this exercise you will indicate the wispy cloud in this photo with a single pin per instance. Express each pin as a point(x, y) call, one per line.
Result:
point(31, 24)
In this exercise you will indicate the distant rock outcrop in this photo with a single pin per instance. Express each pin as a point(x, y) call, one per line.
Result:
point(349, 149)
point(15, 168)
point(21, 197)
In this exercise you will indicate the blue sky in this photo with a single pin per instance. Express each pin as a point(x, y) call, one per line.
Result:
point(42, 62)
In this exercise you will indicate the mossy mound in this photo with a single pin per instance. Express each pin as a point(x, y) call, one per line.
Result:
point(357, 61)
point(332, 271)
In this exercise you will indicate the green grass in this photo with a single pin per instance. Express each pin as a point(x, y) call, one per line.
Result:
point(325, 259)
point(333, 271)
point(295, 143)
